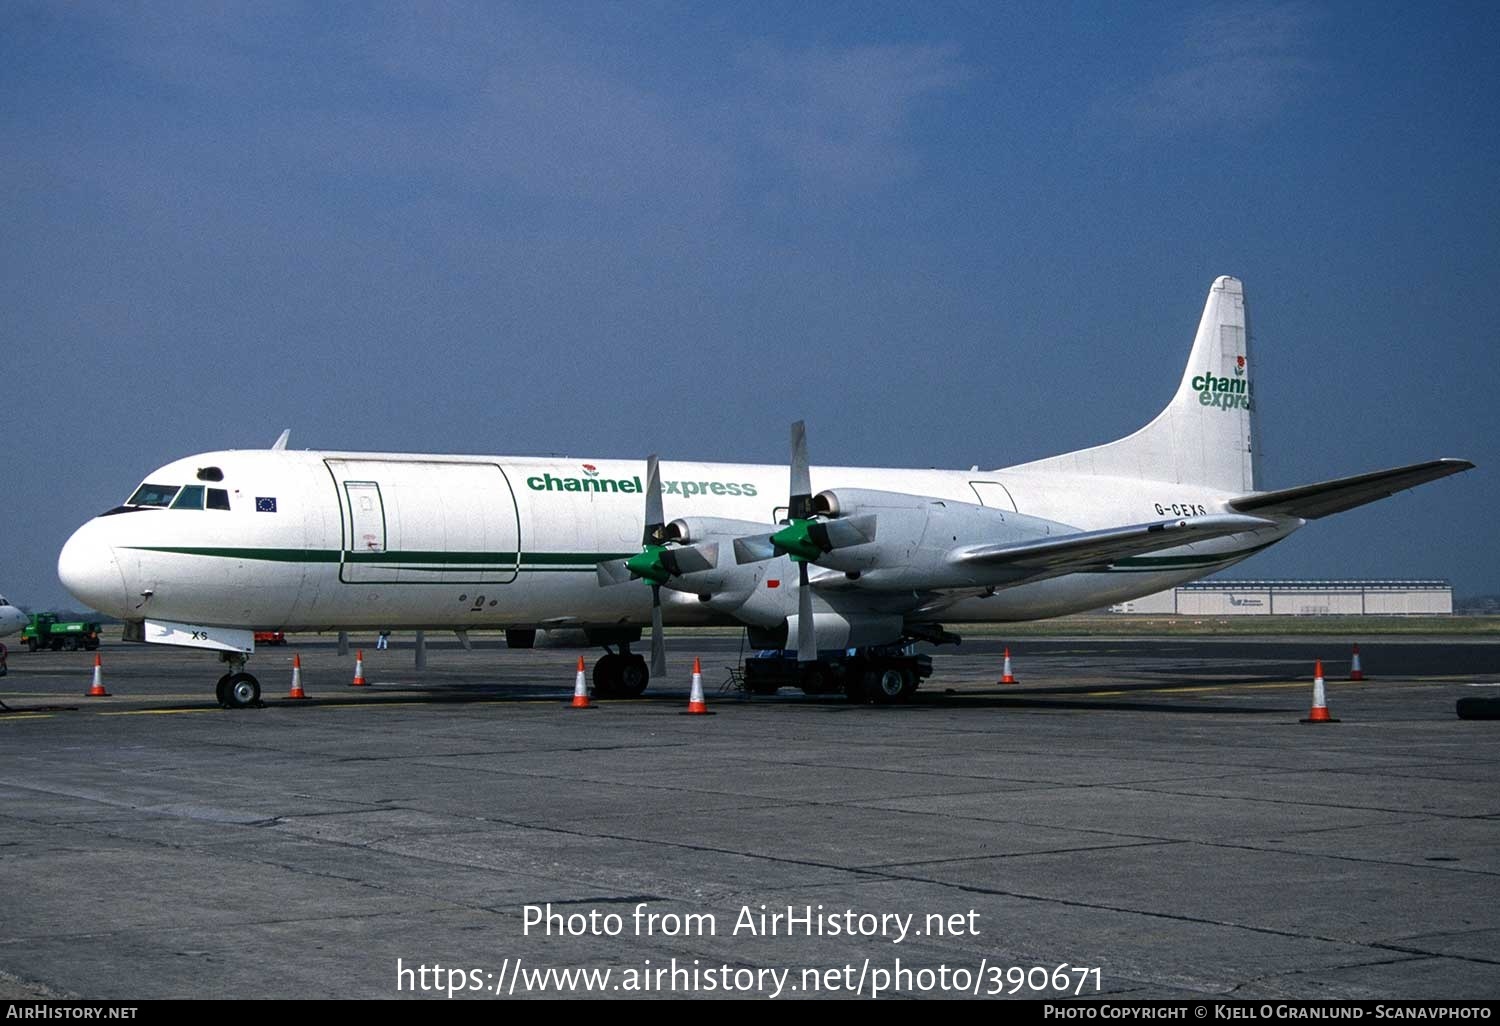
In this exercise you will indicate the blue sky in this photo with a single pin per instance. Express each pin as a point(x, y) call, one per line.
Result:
point(944, 234)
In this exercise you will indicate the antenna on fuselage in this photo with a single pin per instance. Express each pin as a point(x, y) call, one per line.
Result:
point(281, 440)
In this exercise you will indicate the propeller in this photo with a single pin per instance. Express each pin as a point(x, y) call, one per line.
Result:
point(795, 539)
point(805, 538)
point(656, 563)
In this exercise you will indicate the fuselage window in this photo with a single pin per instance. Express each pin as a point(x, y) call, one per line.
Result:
point(191, 497)
point(218, 498)
point(153, 495)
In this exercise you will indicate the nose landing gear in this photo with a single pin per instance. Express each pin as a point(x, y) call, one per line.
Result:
point(237, 689)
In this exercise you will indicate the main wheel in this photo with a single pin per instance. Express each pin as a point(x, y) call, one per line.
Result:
point(634, 676)
point(890, 685)
point(518, 637)
point(243, 691)
point(607, 676)
point(815, 679)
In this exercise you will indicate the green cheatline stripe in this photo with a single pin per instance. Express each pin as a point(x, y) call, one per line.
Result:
point(1145, 563)
point(564, 562)
point(411, 559)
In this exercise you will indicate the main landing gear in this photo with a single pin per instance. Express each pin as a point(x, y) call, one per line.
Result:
point(237, 689)
point(621, 674)
point(883, 676)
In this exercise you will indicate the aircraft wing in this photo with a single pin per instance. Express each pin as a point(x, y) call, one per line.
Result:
point(1088, 550)
point(1319, 500)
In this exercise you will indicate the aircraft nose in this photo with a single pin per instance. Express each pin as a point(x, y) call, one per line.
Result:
point(89, 570)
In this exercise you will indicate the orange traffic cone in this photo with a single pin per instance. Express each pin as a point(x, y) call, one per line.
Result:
point(359, 671)
point(297, 691)
point(581, 689)
point(97, 690)
point(696, 705)
point(1005, 676)
point(1319, 712)
point(1355, 671)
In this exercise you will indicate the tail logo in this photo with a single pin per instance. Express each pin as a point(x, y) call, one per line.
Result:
point(1224, 393)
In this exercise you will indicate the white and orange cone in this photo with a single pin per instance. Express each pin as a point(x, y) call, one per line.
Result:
point(1356, 672)
point(1005, 674)
point(297, 691)
point(359, 671)
point(1319, 712)
point(696, 705)
point(97, 689)
point(581, 689)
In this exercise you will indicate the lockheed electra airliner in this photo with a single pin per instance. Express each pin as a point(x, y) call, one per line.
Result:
point(841, 569)
point(11, 618)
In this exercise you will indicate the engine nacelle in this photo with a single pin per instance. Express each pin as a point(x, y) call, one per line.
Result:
point(916, 535)
point(692, 530)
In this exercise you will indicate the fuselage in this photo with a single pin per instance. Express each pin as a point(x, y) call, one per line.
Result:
point(11, 618)
point(289, 540)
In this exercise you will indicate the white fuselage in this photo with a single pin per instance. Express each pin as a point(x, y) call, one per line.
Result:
point(325, 540)
point(11, 619)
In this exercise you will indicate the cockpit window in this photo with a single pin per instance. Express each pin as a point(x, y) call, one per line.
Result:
point(218, 498)
point(191, 497)
point(153, 495)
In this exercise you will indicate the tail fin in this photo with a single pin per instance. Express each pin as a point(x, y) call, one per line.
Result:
point(1206, 435)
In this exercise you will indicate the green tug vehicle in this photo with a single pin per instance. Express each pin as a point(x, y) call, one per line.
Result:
point(46, 631)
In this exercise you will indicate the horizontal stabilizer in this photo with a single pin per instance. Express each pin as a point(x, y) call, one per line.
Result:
point(1098, 549)
point(1319, 500)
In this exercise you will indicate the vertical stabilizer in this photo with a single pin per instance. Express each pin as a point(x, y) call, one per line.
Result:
point(1206, 435)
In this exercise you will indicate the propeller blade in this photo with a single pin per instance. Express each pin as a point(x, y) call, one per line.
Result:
point(655, 527)
point(753, 548)
point(841, 534)
point(658, 641)
point(807, 639)
point(690, 559)
point(799, 504)
point(613, 571)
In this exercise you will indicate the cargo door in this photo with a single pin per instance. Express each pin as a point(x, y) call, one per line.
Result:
point(364, 559)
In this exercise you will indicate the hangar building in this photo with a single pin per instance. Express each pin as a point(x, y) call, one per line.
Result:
point(1298, 598)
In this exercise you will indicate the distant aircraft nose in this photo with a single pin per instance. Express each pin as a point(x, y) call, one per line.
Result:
point(89, 570)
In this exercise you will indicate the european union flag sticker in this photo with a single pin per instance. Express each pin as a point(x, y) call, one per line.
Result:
point(264, 505)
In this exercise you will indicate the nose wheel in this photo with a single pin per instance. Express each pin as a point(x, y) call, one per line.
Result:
point(237, 689)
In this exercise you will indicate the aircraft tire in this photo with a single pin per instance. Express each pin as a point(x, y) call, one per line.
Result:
point(1477, 708)
point(818, 679)
point(607, 676)
point(854, 687)
point(221, 691)
point(242, 691)
point(516, 637)
point(889, 684)
point(635, 675)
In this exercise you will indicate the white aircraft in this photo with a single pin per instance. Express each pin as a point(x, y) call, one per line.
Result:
point(847, 567)
point(11, 618)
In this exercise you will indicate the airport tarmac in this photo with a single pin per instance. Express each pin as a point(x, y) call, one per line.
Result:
point(1150, 809)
